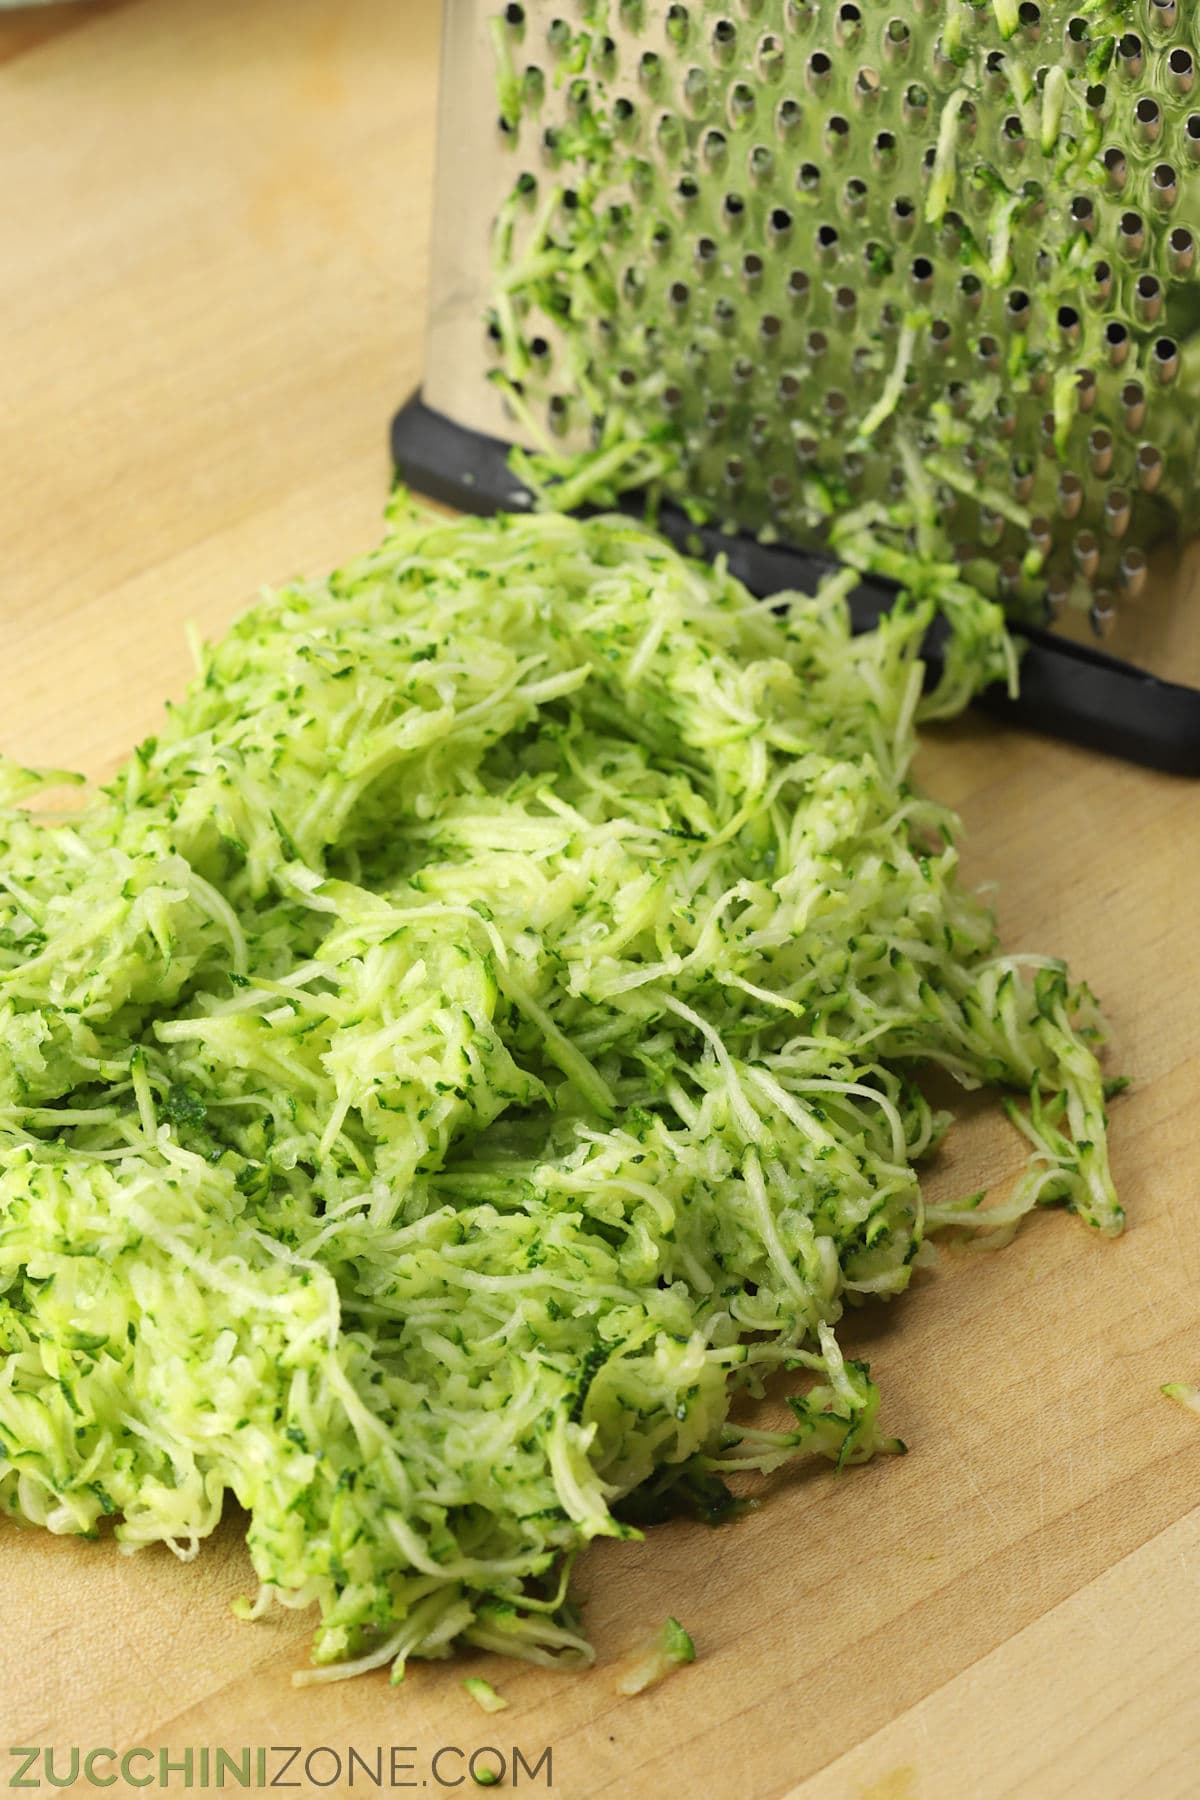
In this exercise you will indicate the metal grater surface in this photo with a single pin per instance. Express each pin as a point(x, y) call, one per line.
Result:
point(835, 255)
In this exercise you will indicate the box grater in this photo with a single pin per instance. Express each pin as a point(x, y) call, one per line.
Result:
point(925, 266)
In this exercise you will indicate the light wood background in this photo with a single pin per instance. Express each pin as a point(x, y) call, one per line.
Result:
point(213, 226)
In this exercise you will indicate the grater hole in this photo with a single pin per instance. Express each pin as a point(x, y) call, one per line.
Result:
point(1181, 251)
point(741, 102)
point(679, 293)
point(1077, 30)
point(779, 221)
point(1095, 97)
point(688, 189)
point(1133, 401)
point(706, 252)
point(1017, 305)
point(788, 117)
point(761, 163)
point(1012, 128)
point(808, 178)
point(770, 57)
point(838, 128)
point(877, 261)
point(1083, 213)
point(827, 237)
point(1116, 167)
point(1132, 572)
point(867, 86)
point(845, 303)
point(1149, 466)
point(1166, 358)
point(650, 69)
point(941, 333)
point(816, 343)
point(752, 267)
point(1117, 512)
point(770, 328)
point(856, 194)
point(1148, 287)
point(623, 109)
point(514, 14)
point(743, 371)
point(715, 148)
point(836, 405)
point(798, 287)
point(1070, 496)
point(1086, 551)
point(1129, 53)
point(1148, 118)
point(1131, 233)
point(679, 23)
point(916, 99)
point(789, 389)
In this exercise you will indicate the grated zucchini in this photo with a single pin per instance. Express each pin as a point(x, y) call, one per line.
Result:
point(471, 1043)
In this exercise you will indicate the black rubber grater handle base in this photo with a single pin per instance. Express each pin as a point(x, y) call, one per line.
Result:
point(1068, 690)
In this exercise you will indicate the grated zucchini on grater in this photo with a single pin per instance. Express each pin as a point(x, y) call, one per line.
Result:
point(912, 278)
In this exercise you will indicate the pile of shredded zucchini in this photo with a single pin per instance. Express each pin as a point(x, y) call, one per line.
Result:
point(471, 1043)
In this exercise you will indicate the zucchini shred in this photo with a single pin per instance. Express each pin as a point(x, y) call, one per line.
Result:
point(470, 1045)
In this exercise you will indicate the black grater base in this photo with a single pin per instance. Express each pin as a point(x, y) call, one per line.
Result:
point(1068, 690)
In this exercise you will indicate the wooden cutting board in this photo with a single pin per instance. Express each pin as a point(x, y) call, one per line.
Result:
point(213, 220)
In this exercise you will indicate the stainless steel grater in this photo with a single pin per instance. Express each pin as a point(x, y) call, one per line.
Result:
point(808, 262)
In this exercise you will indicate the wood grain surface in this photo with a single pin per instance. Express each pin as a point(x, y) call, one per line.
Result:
point(213, 227)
